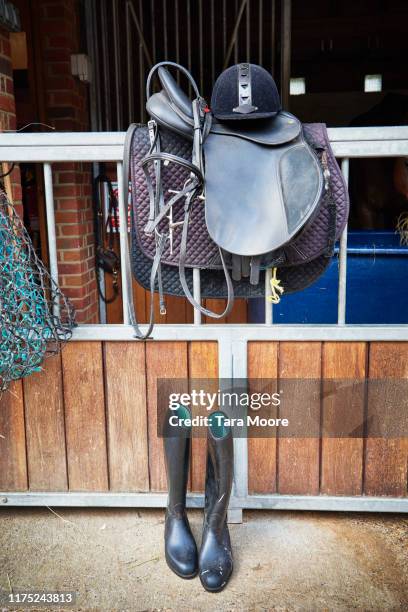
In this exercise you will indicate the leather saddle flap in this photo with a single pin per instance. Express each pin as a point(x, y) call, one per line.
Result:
point(258, 197)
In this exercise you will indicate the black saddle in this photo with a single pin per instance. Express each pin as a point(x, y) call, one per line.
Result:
point(234, 190)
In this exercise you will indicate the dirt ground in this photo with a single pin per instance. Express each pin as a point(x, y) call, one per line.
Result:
point(114, 560)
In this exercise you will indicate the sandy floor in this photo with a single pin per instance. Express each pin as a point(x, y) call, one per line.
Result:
point(286, 561)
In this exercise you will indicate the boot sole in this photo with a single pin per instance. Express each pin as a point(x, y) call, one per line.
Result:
point(214, 590)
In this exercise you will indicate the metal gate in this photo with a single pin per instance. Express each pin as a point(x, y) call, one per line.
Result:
point(232, 339)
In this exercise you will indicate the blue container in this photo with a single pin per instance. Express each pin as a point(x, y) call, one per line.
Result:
point(377, 286)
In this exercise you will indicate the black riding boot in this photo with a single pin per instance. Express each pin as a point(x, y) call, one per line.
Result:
point(180, 546)
point(215, 560)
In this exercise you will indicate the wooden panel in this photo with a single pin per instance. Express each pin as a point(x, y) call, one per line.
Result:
point(13, 465)
point(263, 363)
point(239, 312)
point(342, 457)
point(215, 305)
point(163, 360)
point(237, 315)
point(140, 298)
point(45, 429)
point(85, 416)
point(203, 363)
point(125, 383)
point(178, 311)
point(298, 458)
point(386, 458)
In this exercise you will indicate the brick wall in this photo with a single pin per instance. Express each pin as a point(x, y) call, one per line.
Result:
point(8, 108)
point(66, 108)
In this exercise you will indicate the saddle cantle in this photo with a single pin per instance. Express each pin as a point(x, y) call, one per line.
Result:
point(230, 197)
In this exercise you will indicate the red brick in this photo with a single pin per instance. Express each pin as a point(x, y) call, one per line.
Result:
point(67, 110)
point(59, 26)
point(7, 103)
point(5, 47)
point(65, 125)
point(59, 83)
point(71, 256)
point(68, 178)
point(75, 292)
point(71, 268)
point(57, 55)
point(60, 98)
point(67, 216)
point(82, 302)
point(69, 243)
point(63, 167)
point(66, 191)
point(57, 41)
point(67, 203)
point(74, 229)
point(74, 280)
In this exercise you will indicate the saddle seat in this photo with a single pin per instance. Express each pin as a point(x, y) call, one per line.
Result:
point(262, 181)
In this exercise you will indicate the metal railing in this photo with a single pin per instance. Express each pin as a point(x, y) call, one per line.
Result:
point(232, 339)
point(108, 146)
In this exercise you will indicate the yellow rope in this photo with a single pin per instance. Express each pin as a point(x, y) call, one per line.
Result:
point(402, 228)
point(276, 288)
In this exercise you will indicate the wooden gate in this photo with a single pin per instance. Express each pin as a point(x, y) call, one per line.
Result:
point(87, 423)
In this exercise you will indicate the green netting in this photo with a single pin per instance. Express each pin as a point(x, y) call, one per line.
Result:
point(35, 317)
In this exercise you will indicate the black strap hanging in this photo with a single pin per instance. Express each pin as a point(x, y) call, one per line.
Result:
point(106, 257)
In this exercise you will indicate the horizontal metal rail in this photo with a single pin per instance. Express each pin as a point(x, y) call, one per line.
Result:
point(248, 332)
point(327, 503)
point(108, 146)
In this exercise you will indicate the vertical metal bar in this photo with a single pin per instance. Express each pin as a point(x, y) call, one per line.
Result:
point(286, 27)
point(212, 43)
point(268, 293)
point(273, 37)
point(165, 33)
point(52, 239)
point(95, 114)
point(142, 112)
point(129, 67)
point(341, 311)
point(235, 34)
point(177, 31)
point(105, 67)
point(200, 42)
point(260, 33)
point(240, 488)
point(225, 373)
point(139, 29)
point(248, 32)
point(189, 42)
point(233, 45)
point(94, 87)
point(197, 294)
point(119, 118)
point(154, 26)
point(127, 295)
point(224, 27)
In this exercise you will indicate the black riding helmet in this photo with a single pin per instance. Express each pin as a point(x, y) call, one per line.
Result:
point(245, 91)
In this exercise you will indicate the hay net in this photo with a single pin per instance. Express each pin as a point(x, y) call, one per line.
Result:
point(36, 319)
